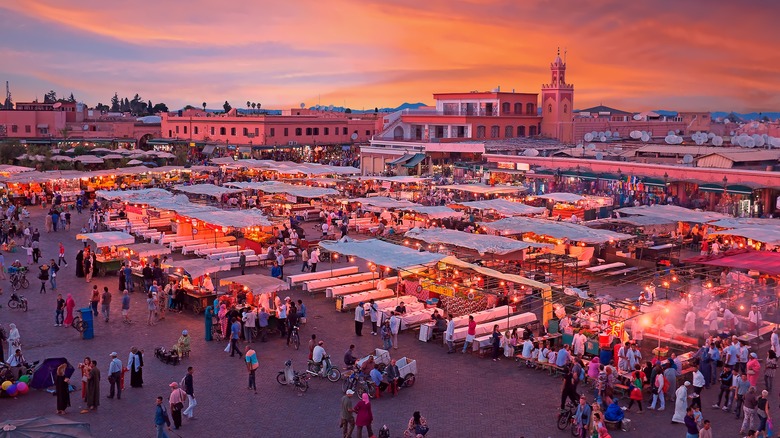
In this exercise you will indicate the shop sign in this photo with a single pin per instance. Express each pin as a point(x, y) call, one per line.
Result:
point(153, 213)
point(291, 198)
point(436, 288)
point(505, 165)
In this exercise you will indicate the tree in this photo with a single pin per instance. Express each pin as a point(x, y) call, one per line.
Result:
point(204, 106)
point(50, 97)
point(71, 98)
point(115, 102)
point(226, 106)
point(248, 104)
point(102, 108)
point(160, 108)
point(149, 107)
point(8, 104)
point(348, 111)
point(376, 110)
point(258, 105)
point(9, 150)
point(65, 132)
point(254, 105)
point(126, 105)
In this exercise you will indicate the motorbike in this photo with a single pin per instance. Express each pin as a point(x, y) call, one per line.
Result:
point(332, 372)
point(17, 301)
point(288, 376)
point(7, 371)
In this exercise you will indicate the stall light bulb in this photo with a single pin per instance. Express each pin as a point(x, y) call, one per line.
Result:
point(741, 307)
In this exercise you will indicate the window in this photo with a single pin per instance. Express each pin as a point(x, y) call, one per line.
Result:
point(518, 108)
point(286, 132)
point(505, 107)
point(298, 131)
point(494, 131)
point(532, 131)
point(246, 132)
point(529, 109)
point(14, 128)
point(480, 132)
point(316, 131)
point(185, 129)
point(327, 131)
point(509, 131)
point(565, 108)
point(222, 131)
point(212, 130)
point(549, 108)
point(196, 130)
point(233, 131)
point(170, 133)
point(368, 132)
point(521, 131)
point(272, 132)
point(27, 129)
point(345, 131)
point(257, 132)
point(308, 131)
point(177, 129)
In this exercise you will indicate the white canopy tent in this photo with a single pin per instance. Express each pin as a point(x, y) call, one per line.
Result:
point(495, 274)
point(140, 195)
point(563, 197)
point(199, 267)
point(767, 234)
point(257, 283)
point(394, 179)
point(481, 189)
point(385, 202)
point(381, 253)
point(11, 169)
point(147, 249)
point(482, 243)
point(434, 212)
point(503, 207)
point(280, 187)
point(230, 218)
point(675, 213)
point(555, 230)
point(107, 238)
point(206, 189)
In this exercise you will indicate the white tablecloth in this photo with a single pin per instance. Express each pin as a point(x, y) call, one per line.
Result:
point(300, 278)
point(353, 299)
point(345, 289)
point(325, 283)
point(503, 325)
point(463, 321)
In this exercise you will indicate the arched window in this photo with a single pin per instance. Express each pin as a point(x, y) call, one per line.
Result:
point(532, 131)
point(494, 131)
point(549, 108)
point(196, 130)
point(222, 131)
point(521, 131)
point(298, 131)
point(398, 133)
point(565, 108)
point(509, 132)
point(480, 131)
point(518, 108)
point(506, 107)
point(529, 109)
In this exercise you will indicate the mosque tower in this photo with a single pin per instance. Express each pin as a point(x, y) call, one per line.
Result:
point(558, 104)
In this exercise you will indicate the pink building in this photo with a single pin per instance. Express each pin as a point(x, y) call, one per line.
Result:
point(600, 119)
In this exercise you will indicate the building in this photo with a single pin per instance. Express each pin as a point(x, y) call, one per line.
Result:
point(294, 127)
point(741, 159)
point(603, 119)
point(558, 104)
point(73, 124)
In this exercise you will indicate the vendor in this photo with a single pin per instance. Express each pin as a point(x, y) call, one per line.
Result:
point(182, 347)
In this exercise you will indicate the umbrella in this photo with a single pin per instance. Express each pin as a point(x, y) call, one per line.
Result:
point(150, 164)
point(43, 376)
point(41, 427)
point(104, 150)
point(112, 157)
point(134, 162)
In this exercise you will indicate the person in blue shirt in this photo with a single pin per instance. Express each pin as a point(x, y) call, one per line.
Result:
point(563, 356)
point(301, 312)
point(614, 413)
point(161, 418)
point(582, 416)
point(235, 329)
point(377, 378)
point(276, 271)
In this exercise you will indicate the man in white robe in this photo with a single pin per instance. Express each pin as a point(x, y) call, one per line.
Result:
point(681, 403)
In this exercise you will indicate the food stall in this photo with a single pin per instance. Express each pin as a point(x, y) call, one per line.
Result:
point(138, 255)
point(255, 290)
point(108, 257)
point(194, 278)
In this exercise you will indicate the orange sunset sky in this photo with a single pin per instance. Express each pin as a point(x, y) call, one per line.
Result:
point(682, 55)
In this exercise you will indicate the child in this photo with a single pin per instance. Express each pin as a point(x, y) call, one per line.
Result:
point(697, 416)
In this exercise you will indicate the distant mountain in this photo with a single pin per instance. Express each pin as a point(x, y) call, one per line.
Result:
point(747, 116)
point(403, 106)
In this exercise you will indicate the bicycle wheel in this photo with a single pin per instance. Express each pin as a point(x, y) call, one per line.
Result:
point(25, 282)
point(13, 304)
point(79, 325)
point(281, 378)
point(303, 385)
point(564, 419)
point(296, 340)
point(575, 429)
point(334, 375)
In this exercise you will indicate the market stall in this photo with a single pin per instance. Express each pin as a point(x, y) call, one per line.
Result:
point(480, 245)
point(107, 256)
point(502, 207)
point(195, 280)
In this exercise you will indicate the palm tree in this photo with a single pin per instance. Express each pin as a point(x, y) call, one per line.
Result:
point(248, 104)
point(253, 105)
point(204, 106)
point(258, 105)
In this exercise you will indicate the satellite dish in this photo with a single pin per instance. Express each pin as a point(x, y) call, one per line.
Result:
point(688, 159)
point(588, 137)
point(760, 142)
point(608, 134)
point(645, 137)
point(750, 143)
point(330, 107)
point(637, 117)
point(711, 135)
point(591, 146)
point(717, 141)
point(775, 142)
point(354, 136)
point(669, 139)
point(599, 155)
point(732, 133)
point(303, 105)
point(579, 146)
point(85, 127)
point(603, 138)
point(531, 153)
point(670, 133)
point(600, 134)
point(635, 135)
point(594, 133)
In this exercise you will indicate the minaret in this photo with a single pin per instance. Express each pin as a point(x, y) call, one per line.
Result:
point(558, 103)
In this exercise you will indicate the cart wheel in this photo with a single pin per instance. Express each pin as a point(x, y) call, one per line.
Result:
point(80, 326)
point(281, 378)
point(25, 282)
point(196, 308)
point(409, 380)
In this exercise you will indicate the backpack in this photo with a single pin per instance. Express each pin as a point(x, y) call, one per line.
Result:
point(384, 432)
point(181, 383)
point(666, 385)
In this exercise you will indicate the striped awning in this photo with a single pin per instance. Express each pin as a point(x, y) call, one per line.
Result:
point(416, 159)
point(401, 160)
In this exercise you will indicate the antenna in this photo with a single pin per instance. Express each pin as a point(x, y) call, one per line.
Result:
point(565, 51)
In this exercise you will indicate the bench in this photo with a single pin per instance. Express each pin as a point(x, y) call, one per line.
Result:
point(621, 388)
point(621, 271)
point(295, 280)
point(608, 266)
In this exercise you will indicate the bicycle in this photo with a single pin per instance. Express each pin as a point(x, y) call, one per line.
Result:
point(19, 279)
point(78, 324)
point(566, 418)
point(17, 301)
point(295, 338)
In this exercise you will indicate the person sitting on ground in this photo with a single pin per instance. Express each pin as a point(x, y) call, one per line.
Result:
point(614, 414)
point(417, 427)
point(182, 347)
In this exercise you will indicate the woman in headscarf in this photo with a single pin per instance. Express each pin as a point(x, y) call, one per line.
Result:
point(364, 416)
point(417, 426)
point(80, 263)
point(61, 387)
point(70, 304)
point(182, 347)
point(222, 315)
point(209, 314)
point(135, 363)
point(14, 340)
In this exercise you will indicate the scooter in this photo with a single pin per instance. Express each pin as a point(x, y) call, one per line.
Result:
point(332, 372)
point(289, 377)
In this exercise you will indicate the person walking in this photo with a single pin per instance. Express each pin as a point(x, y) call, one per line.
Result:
point(126, 307)
point(347, 420)
point(681, 403)
point(61, 255)
point(93, 388)
point(88, 268)
point(242, 262)
point(690, 424)
point(161, 420)
point(770, 365)
point(94, 300)
point(43, 275)
point(61, 389)
point(189, 389)
point(151, 306)
point(373, 313)
point(314, 259)
point(749, 405)
point(59, 312)
point(471, 333)
point(495, 340)
point(699, 381)
point(364, 416)
point(449, 334)
point(114, 372)
point(762, 412)
point(249, 319)
point(135, 364)
point(395, 327)
point(176, 402)
point(105, 303)
point(658, 391)
point(251, 366)
point(235, 330)
point(582, 417)
point(387, 336)
point(360, 316)
point(54, 269)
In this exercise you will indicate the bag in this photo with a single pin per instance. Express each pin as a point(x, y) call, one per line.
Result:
point(420, 429)
point(54, 275)
point(666, 386)
point(227, 349)
point(178, 406)
point(384, 432)
point(181, 382)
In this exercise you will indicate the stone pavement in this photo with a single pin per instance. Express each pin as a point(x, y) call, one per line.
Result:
point(460, 395)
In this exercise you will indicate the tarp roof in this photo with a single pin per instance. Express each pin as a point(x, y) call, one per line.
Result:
point(739, 222)
point(394, 179)
point(637, 221)
point(434, 212)
point(482, 243)
point(288, 167)
point(140, 195)
point(280, 187)
point(555, 230)
point(107, 238)
point(147, 249)
point(385, 202)
point(200, 267)
point(674, 213)
point(10, 168)
point(483, 189)
point(766, 262)
point(415, 160)
point(766, 234)
point(206, 189)
point(562, 197)
point(381, 253)
point(257, 283)
point(503, 207)
point(495, 274)
point(230, 218)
